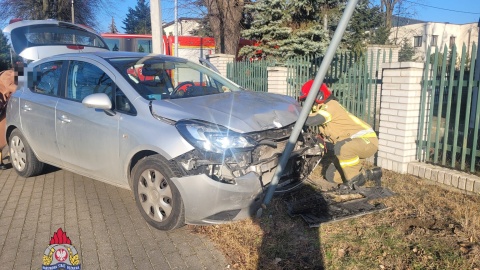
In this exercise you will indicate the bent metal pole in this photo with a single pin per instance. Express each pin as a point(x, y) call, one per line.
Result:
point(342, 25)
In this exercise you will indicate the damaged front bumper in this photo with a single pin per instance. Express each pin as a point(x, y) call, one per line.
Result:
point(208, 201)
point(219, 188)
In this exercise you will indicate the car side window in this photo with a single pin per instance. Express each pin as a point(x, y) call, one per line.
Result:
point(85, 79)
point(46, 77)
point(123, 104)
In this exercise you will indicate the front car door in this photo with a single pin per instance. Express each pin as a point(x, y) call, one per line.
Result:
point(88, 138)
point(37, 111)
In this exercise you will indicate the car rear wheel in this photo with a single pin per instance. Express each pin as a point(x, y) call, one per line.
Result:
point(156, 196)
point(22, 157)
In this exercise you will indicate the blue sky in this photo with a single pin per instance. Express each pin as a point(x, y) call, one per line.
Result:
point(120, 11)
point(452, 11)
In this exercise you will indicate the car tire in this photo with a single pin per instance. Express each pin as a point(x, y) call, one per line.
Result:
point(22, 157)
point(156, 196)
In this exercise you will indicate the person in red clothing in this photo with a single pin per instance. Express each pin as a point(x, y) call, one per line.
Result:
point(353, 139)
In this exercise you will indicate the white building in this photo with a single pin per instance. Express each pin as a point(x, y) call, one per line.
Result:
point(185, 26)
point(423, 35)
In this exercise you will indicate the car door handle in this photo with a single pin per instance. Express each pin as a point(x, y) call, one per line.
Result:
point(26, 107)
point(64, 119)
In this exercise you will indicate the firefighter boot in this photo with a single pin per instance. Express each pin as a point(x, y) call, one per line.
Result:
point(357, 181)
point(374, 175)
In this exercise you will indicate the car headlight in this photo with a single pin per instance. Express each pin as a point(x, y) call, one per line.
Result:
point(212, 138)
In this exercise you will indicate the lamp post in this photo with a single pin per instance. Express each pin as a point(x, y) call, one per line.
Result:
point(157, 28)
point(330, 53)
point(73, 13)
point(176, 28)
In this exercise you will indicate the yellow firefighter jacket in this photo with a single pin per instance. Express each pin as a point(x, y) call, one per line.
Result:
point(338, 124)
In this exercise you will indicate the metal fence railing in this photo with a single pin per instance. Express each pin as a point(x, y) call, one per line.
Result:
point(354, 80)
point(450, 110)
point(251, 75)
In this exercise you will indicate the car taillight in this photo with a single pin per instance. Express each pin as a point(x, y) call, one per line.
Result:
point(75, 47)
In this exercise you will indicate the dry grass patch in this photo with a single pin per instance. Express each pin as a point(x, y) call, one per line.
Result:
point(427, 227)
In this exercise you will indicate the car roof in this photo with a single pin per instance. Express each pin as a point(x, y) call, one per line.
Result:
point(122, 54)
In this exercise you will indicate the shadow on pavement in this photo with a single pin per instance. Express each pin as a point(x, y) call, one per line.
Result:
point(288, 242)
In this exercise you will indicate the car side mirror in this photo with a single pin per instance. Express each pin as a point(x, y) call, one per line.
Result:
point(97, 101)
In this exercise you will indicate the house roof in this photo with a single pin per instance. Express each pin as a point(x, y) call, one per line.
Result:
point(182, 19)
point(398, 21)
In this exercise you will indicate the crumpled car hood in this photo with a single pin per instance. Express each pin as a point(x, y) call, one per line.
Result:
point(240, 111)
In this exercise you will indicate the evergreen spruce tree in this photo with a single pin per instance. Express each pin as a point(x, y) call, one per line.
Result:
point(285, 28)
point(267, 28)
point(380, 35)
point(361, 28)
point(406, 52)
point(112, 28)
point(138, 20)
point(5, 58)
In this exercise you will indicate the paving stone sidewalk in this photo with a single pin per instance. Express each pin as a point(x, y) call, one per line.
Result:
point(101, 220)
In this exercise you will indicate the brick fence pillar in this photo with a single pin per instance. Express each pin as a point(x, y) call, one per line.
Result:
point(399, 114)
point(277, 80)
point(220, 61)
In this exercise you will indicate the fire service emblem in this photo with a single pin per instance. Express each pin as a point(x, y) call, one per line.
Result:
point(60, 254)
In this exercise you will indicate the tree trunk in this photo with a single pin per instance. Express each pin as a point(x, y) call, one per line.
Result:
point(224, 17)
point(389, 7)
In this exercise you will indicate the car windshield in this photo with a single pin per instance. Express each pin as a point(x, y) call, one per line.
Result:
point(156, 78)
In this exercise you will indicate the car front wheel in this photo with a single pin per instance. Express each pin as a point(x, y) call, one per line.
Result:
point(157, 198)
point(22, 157)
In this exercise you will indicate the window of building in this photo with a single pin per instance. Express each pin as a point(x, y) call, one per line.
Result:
point(452, 41)
point(434, 40)
point(417, 41)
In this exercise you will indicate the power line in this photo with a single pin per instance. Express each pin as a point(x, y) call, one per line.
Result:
point(452, 10)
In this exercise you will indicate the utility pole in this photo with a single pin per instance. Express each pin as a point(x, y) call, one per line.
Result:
point(176, 28)
point(73, 13)
point(157, 27)
point(322, 71)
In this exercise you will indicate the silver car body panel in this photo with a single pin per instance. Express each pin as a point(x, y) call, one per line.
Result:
point(235, 201)
point(241, 111)
point(36, 121)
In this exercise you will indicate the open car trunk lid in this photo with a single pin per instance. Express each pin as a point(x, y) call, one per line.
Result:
point(37, 39)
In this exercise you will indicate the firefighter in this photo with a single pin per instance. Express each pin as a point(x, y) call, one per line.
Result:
point(353, 139)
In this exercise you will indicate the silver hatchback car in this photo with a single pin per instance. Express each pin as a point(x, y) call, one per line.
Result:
point(192, 146)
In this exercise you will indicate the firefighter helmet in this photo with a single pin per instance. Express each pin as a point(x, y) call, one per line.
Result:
point(322, 95)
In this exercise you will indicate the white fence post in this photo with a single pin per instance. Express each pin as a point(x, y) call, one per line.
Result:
point(220, 61)
point(399, 115)
point(277, 80)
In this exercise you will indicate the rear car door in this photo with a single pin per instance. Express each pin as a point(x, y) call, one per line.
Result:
point(37, 110)
point(88, 138)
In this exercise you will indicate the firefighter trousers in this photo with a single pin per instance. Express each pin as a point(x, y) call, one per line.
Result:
point(350, 154)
